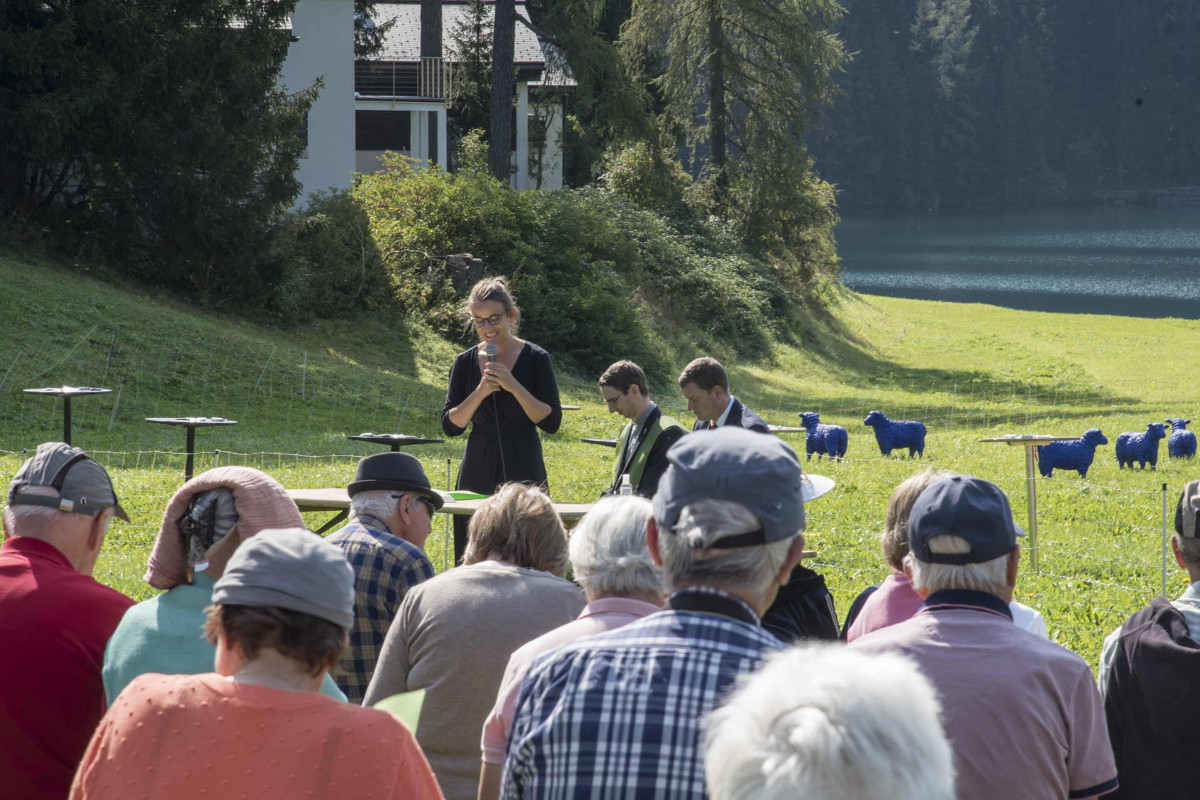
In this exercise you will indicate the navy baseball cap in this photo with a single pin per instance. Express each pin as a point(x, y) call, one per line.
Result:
point(757, 470)
point(969, 508)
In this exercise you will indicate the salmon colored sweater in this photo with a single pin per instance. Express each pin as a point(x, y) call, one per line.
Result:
point(203, 736)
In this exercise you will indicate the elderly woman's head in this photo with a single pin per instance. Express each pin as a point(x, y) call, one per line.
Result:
point(284, 590)
point(894, 537)
point(609, 554)
point(518, 524)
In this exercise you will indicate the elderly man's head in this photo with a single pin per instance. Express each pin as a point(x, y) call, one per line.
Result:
point(824, 722)
point(608, 551)
point(961, 535)
point(728, 513)
point(393, 488)
point(64, 498)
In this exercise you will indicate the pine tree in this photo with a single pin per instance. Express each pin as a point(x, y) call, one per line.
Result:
point(741, 81)
point(472, 86)
point(161, 141)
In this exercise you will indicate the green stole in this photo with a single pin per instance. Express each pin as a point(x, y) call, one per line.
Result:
point(637, 465)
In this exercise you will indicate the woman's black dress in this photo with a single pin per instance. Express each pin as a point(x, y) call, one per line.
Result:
point(503, 444)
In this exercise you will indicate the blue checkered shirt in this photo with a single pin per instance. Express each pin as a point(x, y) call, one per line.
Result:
point(619, 715)
point(385, 568)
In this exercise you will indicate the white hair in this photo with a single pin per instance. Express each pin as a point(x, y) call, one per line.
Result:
point(988, 576)
point(750, 569)
point(377, 503)
point(38, 518)
point(827, 722)
point(608, 550)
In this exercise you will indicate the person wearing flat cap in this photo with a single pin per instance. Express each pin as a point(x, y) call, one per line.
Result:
point(1022, 714)
point(1148, 671)
point(205, 522)
point(54, 618)
point(257, 726)
point(624, 710)
point(391, 514)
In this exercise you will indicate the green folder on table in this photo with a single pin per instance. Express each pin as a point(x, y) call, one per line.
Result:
point(406, 706)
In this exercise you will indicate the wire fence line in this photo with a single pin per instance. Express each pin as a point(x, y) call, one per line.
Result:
point(1107, 544)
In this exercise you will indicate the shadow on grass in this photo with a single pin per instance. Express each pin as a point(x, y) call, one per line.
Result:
point(850, 359)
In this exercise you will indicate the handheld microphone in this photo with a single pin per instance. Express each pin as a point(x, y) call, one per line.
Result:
point(491, 353)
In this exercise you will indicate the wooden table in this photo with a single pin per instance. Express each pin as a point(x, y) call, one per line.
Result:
point(336, 499)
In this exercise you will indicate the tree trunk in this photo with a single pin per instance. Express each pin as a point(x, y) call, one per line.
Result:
point(716, 106)
point(431, 47)
point(500, 130)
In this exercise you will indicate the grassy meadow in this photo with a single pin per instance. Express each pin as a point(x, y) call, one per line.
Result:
point(967, 371)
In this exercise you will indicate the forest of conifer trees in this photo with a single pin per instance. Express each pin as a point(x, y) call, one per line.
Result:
point(1009, 104)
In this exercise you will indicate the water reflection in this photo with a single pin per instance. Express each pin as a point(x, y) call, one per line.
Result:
point(1121, 261)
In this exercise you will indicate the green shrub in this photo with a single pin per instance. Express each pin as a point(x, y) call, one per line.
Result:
point(598, 276)
point(331, 266)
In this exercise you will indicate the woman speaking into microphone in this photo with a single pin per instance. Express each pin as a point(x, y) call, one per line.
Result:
point(504, 387)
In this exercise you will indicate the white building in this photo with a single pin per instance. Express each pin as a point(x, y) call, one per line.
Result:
point(323, 47)
point(386, 103)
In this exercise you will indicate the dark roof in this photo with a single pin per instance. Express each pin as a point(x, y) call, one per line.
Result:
point(403, 40)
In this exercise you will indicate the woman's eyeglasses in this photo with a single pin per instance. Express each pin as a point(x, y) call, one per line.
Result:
point(491, 321)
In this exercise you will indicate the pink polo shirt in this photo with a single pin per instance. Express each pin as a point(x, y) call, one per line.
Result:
point(599, 616)
point(894, 601)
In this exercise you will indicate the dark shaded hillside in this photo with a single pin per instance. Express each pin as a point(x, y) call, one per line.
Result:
point(977, 104)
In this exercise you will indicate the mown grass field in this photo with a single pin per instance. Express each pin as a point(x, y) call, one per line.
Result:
point(967, 371)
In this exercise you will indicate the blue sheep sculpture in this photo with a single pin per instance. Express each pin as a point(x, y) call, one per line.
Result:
point(1182, 443)
point(829, 440)
point(1140, 447)
point(1077, 455)
point(895, 435)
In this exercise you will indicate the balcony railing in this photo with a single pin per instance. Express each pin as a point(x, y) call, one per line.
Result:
point(429, 80)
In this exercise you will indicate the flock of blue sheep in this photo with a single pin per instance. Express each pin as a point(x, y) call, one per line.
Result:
point(832, 440)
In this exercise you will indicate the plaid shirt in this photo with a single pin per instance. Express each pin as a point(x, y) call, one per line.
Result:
point(619, 715)
point(385, 568)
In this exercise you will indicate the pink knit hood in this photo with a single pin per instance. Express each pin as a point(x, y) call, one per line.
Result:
point(261, 503)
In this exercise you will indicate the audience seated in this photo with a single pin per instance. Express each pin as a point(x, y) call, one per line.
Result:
point(258, 727)
point(454, 633)
point(824, 722)
point(1022, 714)
point(618, 714)
point(1148, 671)
point(54, 618)
point(621, 583)
point(206, 521)
point(391, 513)
point(894, 600)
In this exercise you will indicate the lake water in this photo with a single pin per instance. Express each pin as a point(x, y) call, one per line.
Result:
point(1136, 262)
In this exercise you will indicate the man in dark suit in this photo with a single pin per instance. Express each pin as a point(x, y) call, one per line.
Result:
point(643, 444)
point(706, 389)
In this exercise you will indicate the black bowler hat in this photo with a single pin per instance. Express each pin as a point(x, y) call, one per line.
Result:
point(395, 472)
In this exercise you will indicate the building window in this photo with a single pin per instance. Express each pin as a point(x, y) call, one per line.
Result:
point(381, 130)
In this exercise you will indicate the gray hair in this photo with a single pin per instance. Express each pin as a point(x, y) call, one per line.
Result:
point(827, 722)
point(747, 568)
point(989, 576)
point(608, 550)
point(377, 503)
point(36, 518)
